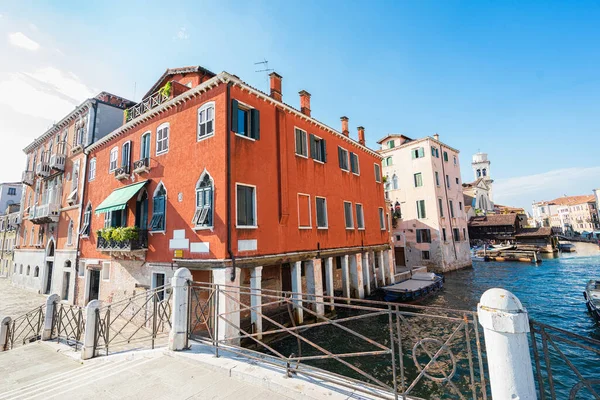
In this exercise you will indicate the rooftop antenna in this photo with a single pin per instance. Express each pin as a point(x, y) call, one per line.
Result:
point(266, 69)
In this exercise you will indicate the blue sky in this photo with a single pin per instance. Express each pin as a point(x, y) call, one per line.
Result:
point(517, 80)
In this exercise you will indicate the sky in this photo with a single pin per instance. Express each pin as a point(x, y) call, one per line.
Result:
point(517, 80)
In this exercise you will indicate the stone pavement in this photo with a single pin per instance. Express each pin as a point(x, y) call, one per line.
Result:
point(15, 301)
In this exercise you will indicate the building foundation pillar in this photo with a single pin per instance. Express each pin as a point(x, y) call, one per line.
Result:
point(314, 285)
point(329, 281)
point(256, 300)
point(345, 276)
point(228, 321)
point(296, 269)
point(366, 264)
point(356, 277)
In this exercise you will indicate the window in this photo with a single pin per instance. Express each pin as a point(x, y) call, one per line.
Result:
point(81, 269)
point(381, 219)
point(446, 156)
point(348, 215)
point(377, 173)
point(301, 147)
point(437, 179)
point(421, 209)
point(28, 270)
point(321, 206)
point(92, 174)
point(391, 144)
point(158, 284)
point(460, 205)
point(317, 148)
point(451, 206)
point(457, 181)
point(360, 218)
point(484, 172)
point(464, 233)
point(70, 233)
point(418, 153)
point(395, 182)
point(456, 234)
point(206, 120)
point(245, 120)
point(425, 255)
point(114, 156)
point(203, 217)
point(444, 234)
point(159, 209)
point(455, 160)
point(162, 139)
point(478, 173)
point(87, 217)
point(448, 181)
point(12, 191)
point(388, 161)
point(246, 206)
point(106, 270)
point(423, 236)
point(126, 156)
point(145, 146)
point(32, 238)
point(435, 152)
point(441, 206)
point(343, 158)
point(418, 179)
point(304, 214)
point(354, 163)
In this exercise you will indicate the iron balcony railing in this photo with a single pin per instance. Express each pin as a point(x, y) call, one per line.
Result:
point(122, 172)
point(110, 245)
point(142, 165)
point(146, 105)
point(27, 178)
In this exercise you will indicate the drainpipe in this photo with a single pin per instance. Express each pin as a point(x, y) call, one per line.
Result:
point(448, 202)
point(228, 116)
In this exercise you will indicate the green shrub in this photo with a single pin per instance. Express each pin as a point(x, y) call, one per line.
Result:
point(166, 90)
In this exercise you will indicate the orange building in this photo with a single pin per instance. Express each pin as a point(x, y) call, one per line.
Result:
point(214, 175)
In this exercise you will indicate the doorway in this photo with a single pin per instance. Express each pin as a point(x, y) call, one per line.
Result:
point(286, 278)
point(49, 266)
point(94, 284)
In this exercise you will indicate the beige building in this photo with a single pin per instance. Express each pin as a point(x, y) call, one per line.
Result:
point(568, 213)
point(424, 191)
point(9, 225)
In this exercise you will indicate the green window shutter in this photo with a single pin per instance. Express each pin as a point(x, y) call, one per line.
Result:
point(421, 152)
point(446, 156)
point(324, 150)
point(414, 154)
point(234, 115)
point(313, 150)
point(340, 157)
point(255, 122)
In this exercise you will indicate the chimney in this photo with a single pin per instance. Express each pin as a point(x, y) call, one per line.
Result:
point(345, 126)
point(304, 102)
point(276, 86)
point(436, 136)
point(361, 135)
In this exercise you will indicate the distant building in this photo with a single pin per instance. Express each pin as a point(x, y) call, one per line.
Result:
point(422, 180)
point(9, 225)
point(570, 214)
point(478, 195)
point(10, 194)
point(497, 227)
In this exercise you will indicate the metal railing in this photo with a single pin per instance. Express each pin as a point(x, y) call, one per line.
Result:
point(404, 350)
point(147, 104)
point(139, 243)
point(68, 324)
point(141, 165)
point(143, 320)
point(122, 172)
point(574, 358)
point(25, 329)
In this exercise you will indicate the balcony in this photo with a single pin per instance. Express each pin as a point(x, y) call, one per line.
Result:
point(42, 169)
point(122, 172)
point(57, 160)
point(141, 166)
point(134, 248)
point(164, 94)
point(27, 178)
point(77, 148)
point(45, 213)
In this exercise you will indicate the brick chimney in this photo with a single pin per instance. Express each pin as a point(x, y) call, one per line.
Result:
point(345, 126)
point(361, 135)
point(304, 102)
point(276, 86)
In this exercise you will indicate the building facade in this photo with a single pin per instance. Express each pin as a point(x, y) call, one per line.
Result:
point(569, 214)
point(9, 226)
point(424, 192)
point(46, 249)
point(235, 185)
point(10, 194)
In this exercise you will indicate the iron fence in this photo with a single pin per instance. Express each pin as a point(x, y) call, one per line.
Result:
point(68, 324)
point(25, 329)
point(566, 365)
point(143, 320)
point(407, 351)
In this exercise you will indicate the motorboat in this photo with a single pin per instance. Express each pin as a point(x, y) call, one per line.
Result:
point(566, 247)
point(592, 297)
point(419, 285)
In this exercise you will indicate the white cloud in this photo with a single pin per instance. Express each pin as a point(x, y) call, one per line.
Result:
point(182, 34)
point(19, 39)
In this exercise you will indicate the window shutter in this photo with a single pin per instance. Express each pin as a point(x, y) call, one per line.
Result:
point(324, 150)
point(340, 157)
point(234, 115)
point(414, 154)
point(255, 122)
point(313, 150)
point(421, 152)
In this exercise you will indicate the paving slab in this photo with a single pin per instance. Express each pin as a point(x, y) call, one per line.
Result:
point(15, 301)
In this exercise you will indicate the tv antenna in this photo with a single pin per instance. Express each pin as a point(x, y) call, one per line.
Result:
point(265, 64)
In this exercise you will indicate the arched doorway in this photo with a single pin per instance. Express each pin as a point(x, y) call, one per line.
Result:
point(49, 266)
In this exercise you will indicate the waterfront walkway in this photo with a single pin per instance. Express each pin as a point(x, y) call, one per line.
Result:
point(16, 301)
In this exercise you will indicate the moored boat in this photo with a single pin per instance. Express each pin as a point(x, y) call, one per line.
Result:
point(566, 247)
point(592, 297)
point(418, 286)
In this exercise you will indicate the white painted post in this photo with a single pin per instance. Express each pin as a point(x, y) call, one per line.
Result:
point(51, 303)
point(314, 284)
point(373, 271)
point(366, 264)
point(4, 323)
point(87, 350)
point(506, 324)
point(179, 311)
point(256, 300)
point(297, 289)
point(382, 267)
point(388, 257)
point(229, 304)
point(345, 276)
point(329, 280)
point(356, 278)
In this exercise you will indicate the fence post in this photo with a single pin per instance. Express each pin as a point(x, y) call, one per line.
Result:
point(179, 311)
point(51, 302)
point(505, 326)
point(4, 324)
point(89, 335)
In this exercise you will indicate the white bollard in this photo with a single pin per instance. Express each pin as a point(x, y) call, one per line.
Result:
point(179, 311)
point(4, 324)
point(506, 325)
point(51, 303)
point(87, 350)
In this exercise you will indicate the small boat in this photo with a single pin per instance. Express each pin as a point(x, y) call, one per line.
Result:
point(566, 247)
point(592, 297)
point(420, 284)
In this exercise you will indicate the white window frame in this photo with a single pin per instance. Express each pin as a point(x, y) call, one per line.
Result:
point(255, 226)
point(160, 184)
point(204, 108)
point(305, 136)
point(248, 108)
point(357, 173)
point(377, 169)
point(149, 134)
point(347, 159)
point(351, 227)
point(381, 218)
point(309, 211)
point(317, 213)
point(75, 177)
point(81, 269)
point(163, 139)
point(321, 150)
point(87, 220)
point(212, 202)
point(92, 172)
point(128, 161)
point(113, 158)
point(105, 267)
point(362, 216)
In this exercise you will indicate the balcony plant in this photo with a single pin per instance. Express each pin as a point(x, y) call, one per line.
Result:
point(119, 234)
point(166, 90)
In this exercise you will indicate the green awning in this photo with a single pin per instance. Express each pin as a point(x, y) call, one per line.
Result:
point(118, 199)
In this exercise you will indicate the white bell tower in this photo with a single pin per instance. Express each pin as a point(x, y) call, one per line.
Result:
point(481, 169)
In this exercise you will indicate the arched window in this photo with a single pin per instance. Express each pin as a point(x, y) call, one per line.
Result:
point(159, 209)
point(28, 270)
point(21, 269)
point(68, 264)
point(36, 272)
point(388, 161)
point(478, 173)
point(484, 172)
point(203, 217)
point(394, 182)
point(70, 233)
point(206, 120)
point(87, 218)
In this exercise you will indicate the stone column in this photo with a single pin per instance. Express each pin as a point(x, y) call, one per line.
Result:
point(179, 310)
point(4, 324)
point(345, 276)
point(388, 259)
point(51, 305)
point(373, 262)
point(256, 300)
point(366, 264)
point(228, 324)
point(329, 280)
point(297, 290)
point(87, 350)
point(357, 289)
point(382, 268)
point(314, 284)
